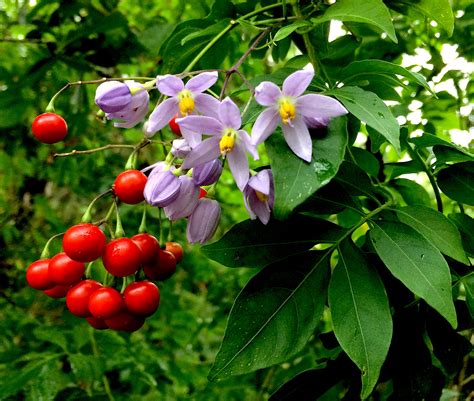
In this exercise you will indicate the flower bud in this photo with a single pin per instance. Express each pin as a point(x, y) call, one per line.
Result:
point(259, 196)
point(207, 173)
point(113, 96)
point(180, 148)
point(187, 200)
point(135, 111)
point(203, 222)
point(162, 188)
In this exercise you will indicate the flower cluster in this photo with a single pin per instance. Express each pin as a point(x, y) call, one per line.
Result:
point(212, 131)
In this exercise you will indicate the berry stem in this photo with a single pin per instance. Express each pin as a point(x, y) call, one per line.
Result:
point(118, 227)
point(143, 228)
point(170, 231)
point(160, 222)
point(89, 151)
point(87, 216)
point(88, 269)
point(45, 253)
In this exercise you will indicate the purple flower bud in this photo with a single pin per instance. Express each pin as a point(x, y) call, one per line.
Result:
point(180, 148)
point(186, 202)
point(259, 196)
point(162, 188)
point(135, 110)
point(203, 222)
point(207, 173)
point(316, 122)
point(113, 96)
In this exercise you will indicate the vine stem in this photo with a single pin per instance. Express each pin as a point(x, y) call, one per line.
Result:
point(86, 218)
point(89, 151)
point(95, 351)
point(45, 252)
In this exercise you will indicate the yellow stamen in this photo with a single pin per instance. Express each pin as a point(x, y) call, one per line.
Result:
point(287, 111)
point(186, 102)
point(226, 144)
point(261, 197)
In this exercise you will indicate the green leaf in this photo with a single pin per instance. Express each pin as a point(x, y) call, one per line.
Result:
point(369, 69)
point(468, 283)
point(274, 315)
point(252, 244)
point(366, 161)
point(86, 368)
point(369, 108)
point(465, 225)
point(416, 263)
point(445, 154)
point(360, 314)
point(439, 10)
point(457, 182)
point(373, 12)
point(287, 30)
point(412, 192)
point(211, 30)
point(296, 180)
point(436, 228)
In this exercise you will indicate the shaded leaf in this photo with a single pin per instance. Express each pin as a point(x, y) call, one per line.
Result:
point(446, 154)
point(412, 192)
point(457, 182)
point(287, 30)
point(465, 225)
point(439, 10)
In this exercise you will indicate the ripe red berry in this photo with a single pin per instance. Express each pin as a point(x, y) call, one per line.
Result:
point(176, 249)
point(84, 242)
point(163, 268)
point(149, 246)
point(49, 128)
point(65, 271)
point(77, 298)
point(122, 257)
point(105, 303)
point(202, 193)
point(125, 321)
point(142, 298)
point(129, 186)
point(96, 323)
point(174, 126)
point(59, 291)
point(37, 275)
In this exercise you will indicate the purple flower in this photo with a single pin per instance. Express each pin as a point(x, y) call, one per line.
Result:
point(133, 112)
point(259, 196)
point(186, 202)
point(227, 139)
point(207, 173)
point(180, 148)
point(113, 96)
point(290, 108)
point(162, 187)
point(203, 222)
point(184, 99)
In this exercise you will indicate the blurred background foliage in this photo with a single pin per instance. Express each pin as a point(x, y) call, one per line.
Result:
point(45, 352)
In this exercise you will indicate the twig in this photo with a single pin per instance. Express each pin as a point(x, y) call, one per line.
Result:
point(89, 151)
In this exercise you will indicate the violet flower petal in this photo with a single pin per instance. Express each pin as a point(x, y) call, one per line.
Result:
point(161, 116)
point(206, 151)
point(191, 137)
point(319, 106)
point(207, 105)
point(169, 85)
point(113, 96)
point(316, 122)
point(247, 192)
point(264, 126)
point(161, 189)
point(295, 84)
point(180, 148)
point(259, 208)
point(203, 222)
point(267, 93)
point(201, 82)
point(261, 182)
point(239, 165)
point(298, 139)
point(207, 173)
point(201, 124)
point(229, 114)
point(252, 149)
point(186, 202)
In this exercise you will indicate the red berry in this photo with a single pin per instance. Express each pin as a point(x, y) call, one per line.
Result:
point(122, 257)
point(77, 298)
point(129, 186)
point(37, 275)
point(202, 193)
point(49, 128)
point(163, 268)
point(149, 246)
point(174, 126)
point(97, 323)
point(59, 291)
point(65, 271)
point(84, 242)
point(142, 298)
point(105, 303)
point(176, 249)
point(125, 321)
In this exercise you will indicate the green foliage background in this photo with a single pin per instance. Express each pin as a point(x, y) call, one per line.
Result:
point(45, 352)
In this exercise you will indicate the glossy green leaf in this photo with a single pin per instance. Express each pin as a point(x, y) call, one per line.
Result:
point(457, 182)
point(210, 31)
point(274, 315)
point(413, 260)
point(412, 192)
point(286, 31)
point(436, 228)
point(295, 179)
point(366, 161)
point(369, 69)
point(369, 108)
point(253, 244)
point(439, 10)
point(465, 225)
point(360, 314)
point(446, 154)
point(373, 12)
